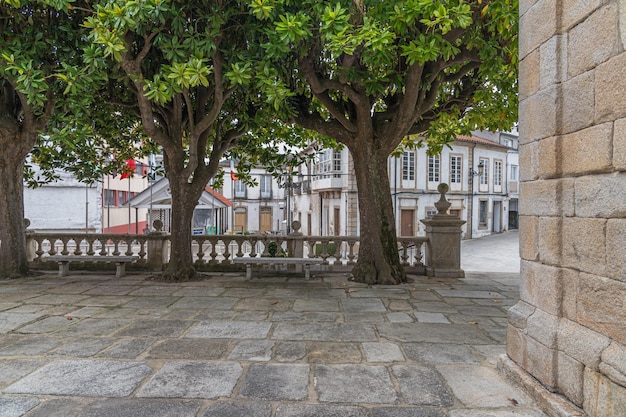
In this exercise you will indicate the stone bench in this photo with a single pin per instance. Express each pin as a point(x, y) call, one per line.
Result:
point(64, 262)
point(306, 262)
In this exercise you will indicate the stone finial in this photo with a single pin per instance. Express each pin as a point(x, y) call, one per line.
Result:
point(158, 225)
point(295, 226)
point(442, 205)
point(26, 223)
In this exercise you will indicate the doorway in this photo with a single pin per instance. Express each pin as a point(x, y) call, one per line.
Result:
point(407, 218)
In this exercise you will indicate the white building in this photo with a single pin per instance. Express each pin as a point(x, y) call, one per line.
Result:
point(65, 205)
point(255, 209)
point(478, 171)
point(68, 205)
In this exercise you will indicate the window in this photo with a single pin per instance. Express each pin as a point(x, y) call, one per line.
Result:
point(455, 169)
point(484, 177)
point(497, 172)
point(240, 189)
point(482, 221)
point(323, 166)
point(430, 212)
point(513, 172)
point(433, 168)
point(337, 164)
point(109, 198)
point(266, 186)
point(408, 165)
point(122, 197)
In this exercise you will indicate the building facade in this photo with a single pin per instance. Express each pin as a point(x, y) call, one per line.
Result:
point(482, 175)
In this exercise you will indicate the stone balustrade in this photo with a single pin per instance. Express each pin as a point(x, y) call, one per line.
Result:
point(339, 253)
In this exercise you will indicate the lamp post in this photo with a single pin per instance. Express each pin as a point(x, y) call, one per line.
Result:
point(470, 214)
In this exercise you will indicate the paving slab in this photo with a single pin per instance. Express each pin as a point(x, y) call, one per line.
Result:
point(214, 303)
point(252, 350)
point(427, 317)
point(408, 412)
point(276, 382)
point(230, 330)
point(141, 408)
point(45, 325)
point(496, 413)
point(94, 327)
point(205, 349)
point(433, 333)
point(10, 321)
point(16, 406)
point(155, 328)
point(354, 383)
point(325, 332)
point(369, 305)
point(31, 345)
point(231, 409)
point(87, 378)
point(289, 351)
point(481, 387)
point(59, 407)
point(422, 385)
point(128, 348)
point(83, 347)
point(297, 410)
point(382, 352)
point(193, 380)
point(333, 352)
point(13, 369)
point(431, 353)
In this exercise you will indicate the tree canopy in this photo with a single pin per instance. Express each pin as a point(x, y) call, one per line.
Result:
point(369, 73)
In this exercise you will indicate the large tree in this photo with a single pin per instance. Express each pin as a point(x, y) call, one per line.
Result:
point(40, 56)
point(189, 69)
point(371, 72)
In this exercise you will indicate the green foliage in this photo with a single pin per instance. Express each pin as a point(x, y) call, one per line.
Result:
point(363, 53)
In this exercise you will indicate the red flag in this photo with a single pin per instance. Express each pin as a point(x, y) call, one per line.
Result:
point(129, 169)
point(233, 176)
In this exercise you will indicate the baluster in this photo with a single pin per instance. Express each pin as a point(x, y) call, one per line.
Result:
point(324, 255)
point(311, 246)
point(240, 244)
point(226, 253)
point(142, 248)
point(116, 243)
point(65, 251)
point(103, 247)
point(351, 254)
point(266, 247)
point(253, 243)
point(418, 254)
point(404, 256)
point(213, 254)
point(39, 252)
point(200, 253)
point(90, 243)
point(129, 246)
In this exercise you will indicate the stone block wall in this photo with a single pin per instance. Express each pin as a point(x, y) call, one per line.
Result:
point(569, 329)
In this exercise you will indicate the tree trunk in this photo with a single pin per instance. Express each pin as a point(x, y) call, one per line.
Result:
point(378, 261)
point(184, 199)
point(13, 259)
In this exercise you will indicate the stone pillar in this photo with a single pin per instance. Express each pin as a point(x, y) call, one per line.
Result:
point(157, 247)
point(443, 253)
point(31, 244)
point(295, 247)
point(569, 330)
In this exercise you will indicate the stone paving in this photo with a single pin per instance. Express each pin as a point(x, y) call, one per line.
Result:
point(277, 346)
